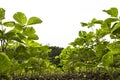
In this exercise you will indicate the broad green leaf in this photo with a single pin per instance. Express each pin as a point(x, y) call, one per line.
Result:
point(21, 36)
point(9, 24)
point(95, 21)
point(115, 27)
point(34, 20)
point(19, 27)
point(33, 37)
point(100, 49)
point(110, 20)
point(28, 31)
point(112, 11)
point(2, 14)
point(17, 38)
point(4, 63)
point(10, 34)
point(78, 41)
point(20, 17)
point(35, 62)
point(103, 31)
point(107, 59)
point(114, 47)
point(32, 43)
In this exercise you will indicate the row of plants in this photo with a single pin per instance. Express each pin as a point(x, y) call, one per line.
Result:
point(96, 49)
point(20, 53)
point(94, 54)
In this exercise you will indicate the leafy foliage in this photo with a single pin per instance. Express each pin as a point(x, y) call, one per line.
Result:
point(92, 50)
point(113, 12)
point(34, 20)
point(20, 53)
point(20, 17)
point(4, 63)
point(90, 53)
point(55, 51)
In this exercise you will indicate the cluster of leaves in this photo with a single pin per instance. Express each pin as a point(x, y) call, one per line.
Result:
point(19, 51)
point(99, 49)
point(90, 53)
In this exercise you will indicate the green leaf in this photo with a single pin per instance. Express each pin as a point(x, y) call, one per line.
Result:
point(82, 34)
point(78, 41)
point(17, 38)
point(9, 24)
point(114, 47)
point(28, 31)
point(4, 63)
point(32, 43)
point(112, 11)
point(95, 21)
point(115, 27)
point(100, 49)
point(19, 27)
point(110, 20)
point(20, 17)
point(107, 59)
point(103, 31)
point(21, 36)
point(34, 20)
point(2, 14)
point(83, 24)
point(33, 37)
point(10, 34)
point(33, 61)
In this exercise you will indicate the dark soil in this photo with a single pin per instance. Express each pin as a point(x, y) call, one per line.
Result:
point(73, 76)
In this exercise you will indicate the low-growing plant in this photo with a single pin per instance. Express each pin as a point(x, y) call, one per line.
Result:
point(97, 49)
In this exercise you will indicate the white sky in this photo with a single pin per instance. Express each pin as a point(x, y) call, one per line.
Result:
point(61, 18)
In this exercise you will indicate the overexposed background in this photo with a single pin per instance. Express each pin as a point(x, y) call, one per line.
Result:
point(61, 18)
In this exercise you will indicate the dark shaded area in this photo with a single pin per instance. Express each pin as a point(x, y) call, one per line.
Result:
point(55, 51)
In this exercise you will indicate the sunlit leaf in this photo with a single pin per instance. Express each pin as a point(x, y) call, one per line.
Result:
point(103, 31)
point(2, 14)
point(107, 59)
point(114, 47)
point(95, 21)
point(112, 11)
point(34, 20)
point(4, 63)
point(110, 20)
point(21, 36)
point(18, 27)
point(33, 37)
point(32, 43)
point(20, 17)
point(17, 38)
point(115, 27)
point(28, 31)
point(9, 24)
